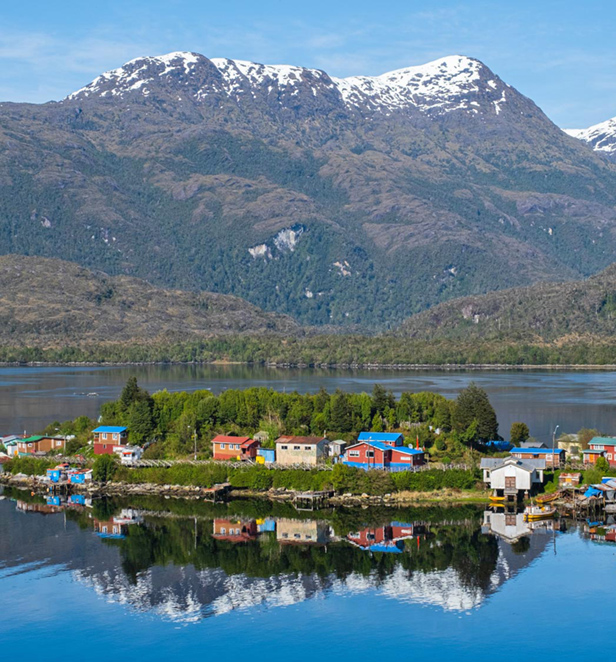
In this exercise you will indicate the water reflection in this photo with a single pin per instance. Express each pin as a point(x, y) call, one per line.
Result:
point(185, 561)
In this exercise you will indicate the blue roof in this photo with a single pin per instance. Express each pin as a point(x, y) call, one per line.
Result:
point(379, 436)
point(539, 451)
point(110, 428)
point(407, 450)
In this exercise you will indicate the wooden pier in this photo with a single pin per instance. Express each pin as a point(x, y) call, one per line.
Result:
point(311, 500)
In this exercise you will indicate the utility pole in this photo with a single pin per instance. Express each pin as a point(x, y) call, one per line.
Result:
point(554, 447)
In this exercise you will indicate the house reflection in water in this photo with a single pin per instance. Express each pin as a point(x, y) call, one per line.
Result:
point(235, 530)
point(387, 538)
point(511, 527)
point(117, 527)
point(303, 531)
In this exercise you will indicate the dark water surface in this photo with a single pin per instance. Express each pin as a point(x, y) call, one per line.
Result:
point(172, 580)
point(30, 398)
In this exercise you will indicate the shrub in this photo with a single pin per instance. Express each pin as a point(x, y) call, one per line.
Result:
point(104, 468)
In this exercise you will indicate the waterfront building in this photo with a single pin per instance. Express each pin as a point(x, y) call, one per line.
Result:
point(39, 444)
point(234, 448)
point(606, 444)
point(569, 479)
point(380, 455)
point(553, 457)
point(301, 450)
point(107, 437)
point(509, 476)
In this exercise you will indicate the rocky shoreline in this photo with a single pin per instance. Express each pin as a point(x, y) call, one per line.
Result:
point(36, 485)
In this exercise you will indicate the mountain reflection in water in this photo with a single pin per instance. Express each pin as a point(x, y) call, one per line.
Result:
point(184, 561)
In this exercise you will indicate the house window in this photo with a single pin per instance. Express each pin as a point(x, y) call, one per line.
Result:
point(297, 536)
point(104, 435)
point(297, 448)
point(308, 536)
point(58, 444)
point(115, 436)
point(285, 535)
point(115, 529)
point(104, 446)
point(284, 448)
point(223, 530)
point(308, 448)
point(223, 446)
point(369, 453)
point(104, 529)
point(353, 453)
point(237, 447)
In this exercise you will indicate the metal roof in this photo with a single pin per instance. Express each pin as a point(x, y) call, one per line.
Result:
point(608, 441)
point(537, 451)
point(407, 450)
point(379, 436)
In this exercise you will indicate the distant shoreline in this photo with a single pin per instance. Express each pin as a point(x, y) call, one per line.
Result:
point(411, 367)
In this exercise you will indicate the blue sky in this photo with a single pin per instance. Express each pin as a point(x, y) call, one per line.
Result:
point(561, 54)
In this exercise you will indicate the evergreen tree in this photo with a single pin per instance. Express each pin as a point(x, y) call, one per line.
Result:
point(377, 423)
point(340, 412)
point(140, 421)
point(473, 404)
point(380, 399)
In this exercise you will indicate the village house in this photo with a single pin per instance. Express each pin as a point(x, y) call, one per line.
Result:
point(234, 448)
point(606, 444)
point(511, 476)
point(235, 530)
point(301, 450)
point(336, 448)
point(386, 455)
point(106, 437)
point(552, 457)
point(117, 527)
point(39, 444)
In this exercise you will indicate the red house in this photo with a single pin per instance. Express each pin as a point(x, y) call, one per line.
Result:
point(234, 448)
point(108, 436)
point(235, 530)
point(379, 455)
point(605, 444)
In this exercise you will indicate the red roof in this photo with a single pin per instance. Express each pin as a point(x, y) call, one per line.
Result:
point(224, 439)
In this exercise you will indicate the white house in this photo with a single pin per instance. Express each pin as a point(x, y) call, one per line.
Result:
point(509, 475)
point(128, 454)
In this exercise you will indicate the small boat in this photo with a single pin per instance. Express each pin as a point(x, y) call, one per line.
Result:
point(537, 513)
point(547, 498)
point(497, 499)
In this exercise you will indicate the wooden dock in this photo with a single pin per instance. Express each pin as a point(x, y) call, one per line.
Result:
point(312, 500)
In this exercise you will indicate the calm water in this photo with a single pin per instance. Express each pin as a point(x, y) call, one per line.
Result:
point(30, 398)
point(176, 579)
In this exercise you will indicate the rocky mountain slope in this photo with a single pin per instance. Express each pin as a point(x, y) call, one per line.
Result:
point(338, 201)
point(542, 312)
point(50, 302)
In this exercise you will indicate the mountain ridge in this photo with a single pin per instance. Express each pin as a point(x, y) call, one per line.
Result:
point(358, 212)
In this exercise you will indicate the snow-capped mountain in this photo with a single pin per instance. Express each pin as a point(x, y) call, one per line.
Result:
point(601, 137)
point(426, 183)
point(445, 85)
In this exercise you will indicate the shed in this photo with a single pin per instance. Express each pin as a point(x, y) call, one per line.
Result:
point(510, 475)
point(266, 456)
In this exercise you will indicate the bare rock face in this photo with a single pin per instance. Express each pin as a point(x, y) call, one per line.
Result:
point(426, 183)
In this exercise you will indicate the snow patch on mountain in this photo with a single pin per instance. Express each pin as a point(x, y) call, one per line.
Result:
point(601, 137)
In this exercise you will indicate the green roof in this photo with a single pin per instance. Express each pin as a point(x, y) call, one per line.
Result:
point(36, 437)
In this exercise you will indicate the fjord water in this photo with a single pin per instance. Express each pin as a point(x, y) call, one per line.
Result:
point(32, 397)
point(174, 581)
